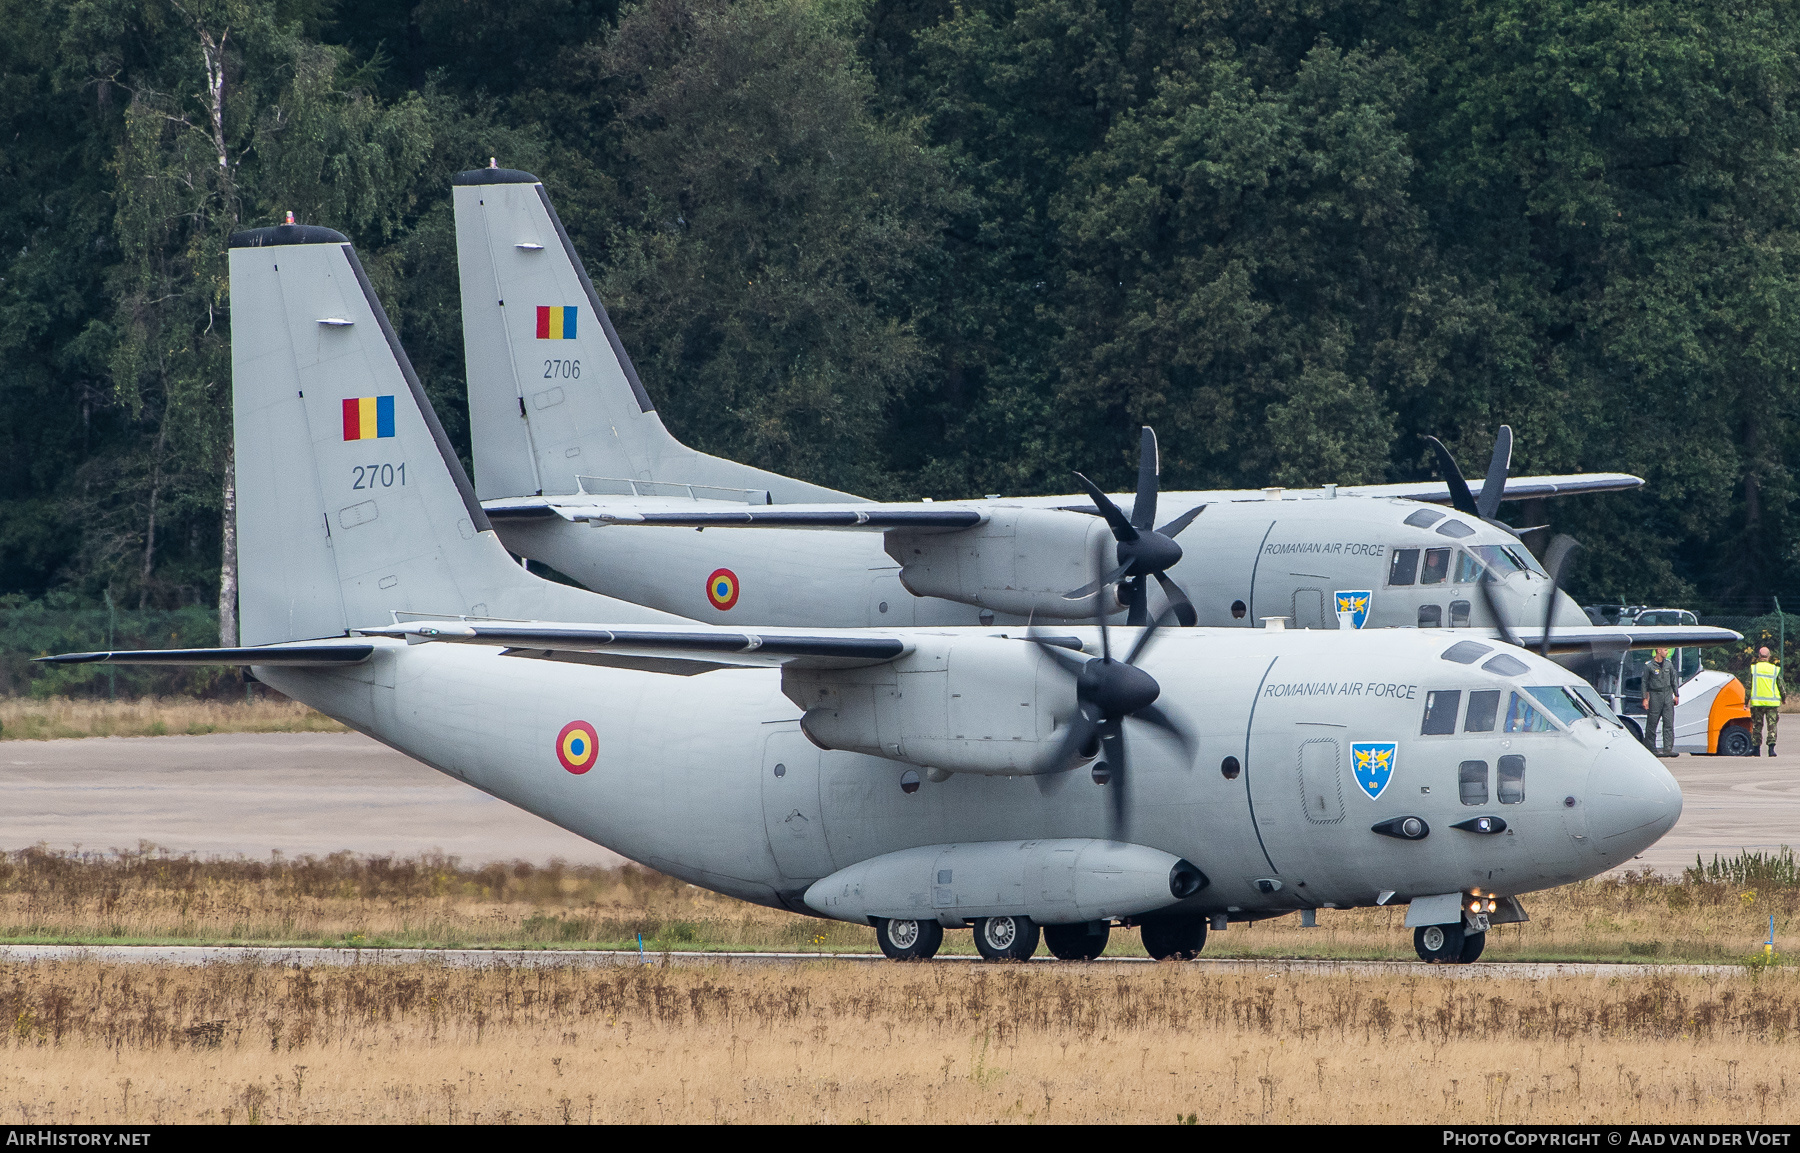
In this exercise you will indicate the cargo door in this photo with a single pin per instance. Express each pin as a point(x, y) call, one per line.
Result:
point(792, 813)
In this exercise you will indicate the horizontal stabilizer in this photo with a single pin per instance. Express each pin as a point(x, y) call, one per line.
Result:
point(291, 656)
point(820, 648)
point(1565, 640)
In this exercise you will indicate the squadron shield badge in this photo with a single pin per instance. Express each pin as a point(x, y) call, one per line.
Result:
point(1356, 604)
point(1372, 763)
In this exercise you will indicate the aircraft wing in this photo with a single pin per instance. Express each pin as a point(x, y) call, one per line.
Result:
point(290, 655)
point(673, 512)
point(1566, 639)
point(653, 648)
point(667, 512)
point(1517, 487)
point(873, 517)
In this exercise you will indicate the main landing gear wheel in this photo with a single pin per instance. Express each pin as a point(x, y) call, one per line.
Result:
point(1006, 938)
point(1473, 943)
point(1081, 942)
point(908, 940)
point(1178, 938)
point(1441, 944)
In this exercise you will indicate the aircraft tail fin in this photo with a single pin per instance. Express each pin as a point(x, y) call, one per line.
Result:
point(553, 394)
point(351, 503)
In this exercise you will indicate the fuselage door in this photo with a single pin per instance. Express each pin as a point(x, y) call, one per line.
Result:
point(1321, 787)
point(791, 809)
point(1309, 610)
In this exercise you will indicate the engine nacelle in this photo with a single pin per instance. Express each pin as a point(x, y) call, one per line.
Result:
point(978, 704)
point(1019, 561)
point(1057, 882)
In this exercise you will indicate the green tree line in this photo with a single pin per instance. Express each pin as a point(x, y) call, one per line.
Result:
point(924, 248)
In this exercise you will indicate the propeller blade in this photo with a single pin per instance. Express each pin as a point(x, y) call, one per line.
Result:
point(1178, 602)
point(1494, 487)
point(1098, 583)
point(1072, 749)
point(1143, 511)
point(1174, 527)
point(1556, 560)
point(1137, 602)
point(1122, 529)
point(1145, 637)
point(1112, 747)
point(1460, 496)
point(1485, 583)
point(1150, 714)
point(1066, 660)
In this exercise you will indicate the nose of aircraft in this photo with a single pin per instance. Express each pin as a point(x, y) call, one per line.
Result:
point(1632, 800)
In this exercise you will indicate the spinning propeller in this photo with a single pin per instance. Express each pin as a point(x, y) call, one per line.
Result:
point(1143, 551)
point(1556, 561)
point(1107, 691)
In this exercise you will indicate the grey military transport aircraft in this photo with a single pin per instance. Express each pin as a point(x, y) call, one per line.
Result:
point(565, 437)
point(1014, 782)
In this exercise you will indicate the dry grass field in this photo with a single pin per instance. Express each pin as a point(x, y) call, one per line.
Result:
point(26, 718)
point(841, 1042)
point(1709, 916)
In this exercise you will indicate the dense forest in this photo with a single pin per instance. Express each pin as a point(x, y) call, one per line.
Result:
point(935, 248)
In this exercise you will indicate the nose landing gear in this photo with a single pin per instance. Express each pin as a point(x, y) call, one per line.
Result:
point(1448, 944)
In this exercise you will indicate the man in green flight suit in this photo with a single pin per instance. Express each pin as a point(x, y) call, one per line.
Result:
point(1765, 700)
point(1660, 699)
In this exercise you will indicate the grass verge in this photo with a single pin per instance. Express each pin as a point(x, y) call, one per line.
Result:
point(1716, 914)
point(834, 1043)
point(57, 718)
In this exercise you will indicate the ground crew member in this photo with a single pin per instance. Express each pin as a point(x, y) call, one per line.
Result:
point(1765, 700)
point(1660, 699)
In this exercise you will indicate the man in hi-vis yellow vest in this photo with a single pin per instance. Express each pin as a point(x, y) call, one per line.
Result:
point(1765, 700)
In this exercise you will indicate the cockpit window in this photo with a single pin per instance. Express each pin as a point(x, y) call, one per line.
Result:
point(1437, 567)
point(1456, 529)
point(1441, 708)
point(1405, 566)
point(1467, 652)
point(1468, 570)
point(1562, 704)
point(1424, 518)
point(1497, 559)
point(1507, 666)
point(1523, 555)
point(1484, 708)
point(1597, 704)
point(1522, 718)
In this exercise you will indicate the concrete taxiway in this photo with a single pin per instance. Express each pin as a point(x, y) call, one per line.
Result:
point(321, 792)
point(256, 793)
point(605, 958)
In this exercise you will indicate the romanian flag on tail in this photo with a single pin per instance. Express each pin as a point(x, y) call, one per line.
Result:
point(368, 417)
point(556, 323)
